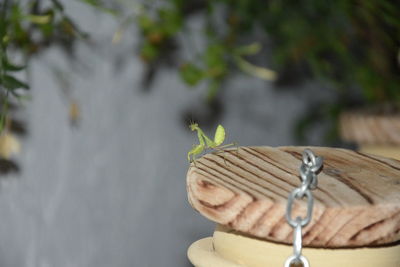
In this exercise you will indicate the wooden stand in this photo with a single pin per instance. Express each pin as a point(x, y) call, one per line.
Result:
point(228, 248)
point(356, 216)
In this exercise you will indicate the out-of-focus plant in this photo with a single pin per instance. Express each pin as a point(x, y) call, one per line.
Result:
point(350, 45)
point(160, 23)
point(26, 29)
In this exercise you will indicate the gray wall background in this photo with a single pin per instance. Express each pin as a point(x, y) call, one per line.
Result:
point(111, 192)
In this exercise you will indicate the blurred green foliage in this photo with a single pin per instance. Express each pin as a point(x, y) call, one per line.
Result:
point(349, 45)
point(345, 42)
point(26, 29)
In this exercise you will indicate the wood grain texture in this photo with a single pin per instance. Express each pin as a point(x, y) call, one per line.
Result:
point(362, 127)
point(357, 202)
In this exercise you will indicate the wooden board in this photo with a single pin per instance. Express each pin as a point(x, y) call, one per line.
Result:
point(357, 202)
point(366, 127)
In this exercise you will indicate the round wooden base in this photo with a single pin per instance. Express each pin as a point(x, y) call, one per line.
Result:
point(231, 249)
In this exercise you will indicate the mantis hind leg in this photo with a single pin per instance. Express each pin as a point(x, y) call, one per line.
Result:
point(230, 145)
point(237, 148)
point(225, 146)
point(234, 144)
point(220, 149)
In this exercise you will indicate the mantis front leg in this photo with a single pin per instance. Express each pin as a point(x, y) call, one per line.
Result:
point(197, 149)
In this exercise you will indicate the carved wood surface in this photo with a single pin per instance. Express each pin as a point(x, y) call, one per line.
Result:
point(356, 203)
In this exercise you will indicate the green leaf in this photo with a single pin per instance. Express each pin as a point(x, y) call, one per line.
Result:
point(149, 52)
point(191, 74)
point(11, 67)
point(214, 55)
point(38, 19)
point(15, 14)
point(12, 83)
point(145, 22)
point(171, 21)
point(215, 60)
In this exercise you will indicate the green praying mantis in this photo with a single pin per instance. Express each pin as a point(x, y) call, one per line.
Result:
point(205, 142)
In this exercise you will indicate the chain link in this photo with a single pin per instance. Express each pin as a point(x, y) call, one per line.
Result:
point(293, 259)
point(309, 168)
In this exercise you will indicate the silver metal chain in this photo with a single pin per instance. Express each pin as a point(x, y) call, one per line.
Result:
point(308, 173)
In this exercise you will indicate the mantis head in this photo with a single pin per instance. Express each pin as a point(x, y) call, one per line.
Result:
point(193, 126)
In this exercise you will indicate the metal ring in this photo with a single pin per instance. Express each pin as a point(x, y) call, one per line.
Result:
point(312, 162)
point(308, 157)
point(314, 182)
point(293, 259)
point(318, 164)
point(310, 201)
point(297, 239)
point(304, 172)
point(309, 179)
point(303, 188)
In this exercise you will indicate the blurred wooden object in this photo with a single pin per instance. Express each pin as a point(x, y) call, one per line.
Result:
point(375, 133)
point(381, 150)
point(357, 201)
